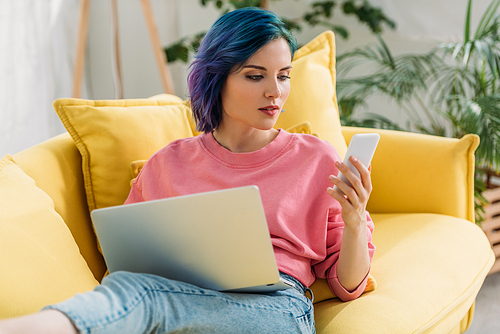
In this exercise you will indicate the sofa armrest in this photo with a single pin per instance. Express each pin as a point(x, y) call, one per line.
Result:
point(56, 167)
point(416, 173)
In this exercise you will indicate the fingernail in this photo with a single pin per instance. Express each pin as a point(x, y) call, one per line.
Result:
point(338, 163)
point(354, 159)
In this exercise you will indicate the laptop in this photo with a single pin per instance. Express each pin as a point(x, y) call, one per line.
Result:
point(216, 240)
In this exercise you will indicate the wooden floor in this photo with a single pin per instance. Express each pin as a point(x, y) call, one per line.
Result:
point(487, 314)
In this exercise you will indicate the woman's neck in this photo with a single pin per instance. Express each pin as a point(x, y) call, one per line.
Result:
point(244, 142)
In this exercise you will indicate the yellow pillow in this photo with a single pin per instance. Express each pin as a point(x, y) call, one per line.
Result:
point(111, 134)
point(135, 169)
point(313, 96)
point(305, 128)
point(40, 263)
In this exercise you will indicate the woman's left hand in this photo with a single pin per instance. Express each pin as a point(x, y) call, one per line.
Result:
point(356, 197)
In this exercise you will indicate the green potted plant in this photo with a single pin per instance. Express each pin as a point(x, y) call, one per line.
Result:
point(450, 91)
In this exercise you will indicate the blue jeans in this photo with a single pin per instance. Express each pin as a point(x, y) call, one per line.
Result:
point(141, 303)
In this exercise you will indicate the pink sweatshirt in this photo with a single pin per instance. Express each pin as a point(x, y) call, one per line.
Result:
point(292, 173)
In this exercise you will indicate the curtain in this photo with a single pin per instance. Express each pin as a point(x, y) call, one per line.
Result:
point(37, 46)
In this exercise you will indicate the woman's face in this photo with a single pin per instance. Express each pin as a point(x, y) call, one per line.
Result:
point(253, 96)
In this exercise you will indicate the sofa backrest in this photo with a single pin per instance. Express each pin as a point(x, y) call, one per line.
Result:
point(416, 173)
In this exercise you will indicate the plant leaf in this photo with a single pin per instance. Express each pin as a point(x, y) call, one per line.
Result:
point(486, 18)
point(467, 22)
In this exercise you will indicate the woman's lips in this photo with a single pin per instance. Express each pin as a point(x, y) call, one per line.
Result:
point(270, 110)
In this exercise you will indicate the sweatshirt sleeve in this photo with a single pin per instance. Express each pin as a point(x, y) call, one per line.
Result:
point(327, 269)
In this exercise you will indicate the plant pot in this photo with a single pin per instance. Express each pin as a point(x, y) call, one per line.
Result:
point(491, 224)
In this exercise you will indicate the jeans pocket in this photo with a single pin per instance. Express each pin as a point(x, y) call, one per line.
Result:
point(304, 313)
point(306, 322)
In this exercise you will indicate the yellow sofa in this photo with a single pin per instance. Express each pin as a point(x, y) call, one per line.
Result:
point(431, 258)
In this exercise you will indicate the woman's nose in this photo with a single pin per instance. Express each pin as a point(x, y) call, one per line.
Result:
point(273, 90)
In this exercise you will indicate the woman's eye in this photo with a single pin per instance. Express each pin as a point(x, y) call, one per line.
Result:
point(284, 77)
point(254, 77)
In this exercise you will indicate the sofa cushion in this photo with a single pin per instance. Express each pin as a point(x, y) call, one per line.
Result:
point(429, 268)
point(39, 258)
point(111, 134)
point(313, 96)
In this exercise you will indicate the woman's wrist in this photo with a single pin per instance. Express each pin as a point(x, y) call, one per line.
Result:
point(356, 228)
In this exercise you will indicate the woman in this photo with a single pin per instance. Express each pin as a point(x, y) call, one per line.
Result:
point(239, 83)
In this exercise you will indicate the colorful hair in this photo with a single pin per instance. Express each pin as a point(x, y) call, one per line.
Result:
point(232, 40)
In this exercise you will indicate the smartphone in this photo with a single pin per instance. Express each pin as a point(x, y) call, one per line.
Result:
point(362, 146)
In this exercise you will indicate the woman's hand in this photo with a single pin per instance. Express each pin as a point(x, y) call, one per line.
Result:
point(354, 260)
point(356, 197)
